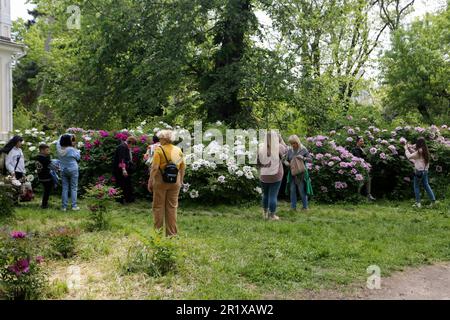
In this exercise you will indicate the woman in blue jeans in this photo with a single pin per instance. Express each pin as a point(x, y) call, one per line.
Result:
point(68, 157)
point(297, 150)
point(271, 172)
point(420, 155)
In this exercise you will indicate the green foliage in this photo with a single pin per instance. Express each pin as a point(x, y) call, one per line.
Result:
point(156, 256)
point(100, 197)
point(416, 70)
point(21, 274)
point(63, 242)
point(7, 207)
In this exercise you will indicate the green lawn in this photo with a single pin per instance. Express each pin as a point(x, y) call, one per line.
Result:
point(229, 252)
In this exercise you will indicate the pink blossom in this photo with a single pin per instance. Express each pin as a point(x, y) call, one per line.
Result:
point(317, 167)
point(319, 144)
point(121, 136)
point(112, 192)
point(351, 131)
point(21, 266)
point(359, 177)
point(18, 234)
point(103, 133)
point(373, 150)
point(349, 139)
point(88, 145)
point(383, 156)
point(319, 156)
point(39, 259)
point(321, 138)
point(144, 138)
point(349, 117)
point(87, 157)
point(136, 150)
point(354, 171)
point(341, 171)
point(97, 143)
point(402, 140)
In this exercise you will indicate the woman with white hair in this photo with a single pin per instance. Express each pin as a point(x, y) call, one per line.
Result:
point(166, 178)
point(270, 153)
point(296, 152)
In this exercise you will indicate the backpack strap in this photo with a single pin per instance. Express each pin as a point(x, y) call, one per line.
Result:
point(164, 154)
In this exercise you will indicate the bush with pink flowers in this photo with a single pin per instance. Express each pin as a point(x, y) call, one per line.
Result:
point(21, 274)
point(335, 173)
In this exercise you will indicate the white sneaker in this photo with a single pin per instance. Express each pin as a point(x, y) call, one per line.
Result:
point(76, 209)
point(417, 205)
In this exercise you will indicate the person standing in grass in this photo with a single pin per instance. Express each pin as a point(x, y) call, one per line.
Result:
point(270, 153)
point(166, 178)
point(68, 156)
point(420, 156)
point(15, 160)
point(301, 181)
point(123, 169)
point(43, 161)
point(359, 152)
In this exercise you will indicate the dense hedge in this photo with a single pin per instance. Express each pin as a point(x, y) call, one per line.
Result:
point(336, 174)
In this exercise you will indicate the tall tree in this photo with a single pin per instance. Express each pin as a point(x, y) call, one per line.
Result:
point(416, 70)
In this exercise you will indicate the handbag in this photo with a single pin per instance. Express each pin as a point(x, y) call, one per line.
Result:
point(297, 166)
point(26, 192)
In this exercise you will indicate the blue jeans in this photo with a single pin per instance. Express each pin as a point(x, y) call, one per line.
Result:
point(418, 176)
point(302, 191)
point(270, 196)
point(69, 178)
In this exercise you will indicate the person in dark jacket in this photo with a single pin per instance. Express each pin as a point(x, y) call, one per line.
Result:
point(123, 168)
point(43, 169)
point(359, 152)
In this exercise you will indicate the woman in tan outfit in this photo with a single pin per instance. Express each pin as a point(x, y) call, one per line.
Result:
point(165, 195)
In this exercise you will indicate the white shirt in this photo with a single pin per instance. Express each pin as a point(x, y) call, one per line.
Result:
point(11, 161)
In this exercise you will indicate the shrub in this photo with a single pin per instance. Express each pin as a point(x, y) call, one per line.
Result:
point(99, 198)
point(335, 173)
point(63, 242)
point(156, 256)
point(7, 207)
point(21, 275)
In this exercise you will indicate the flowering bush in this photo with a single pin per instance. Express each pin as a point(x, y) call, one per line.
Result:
point(21, 275)
point(335, 173)
point(100, 197)
point(392, 172)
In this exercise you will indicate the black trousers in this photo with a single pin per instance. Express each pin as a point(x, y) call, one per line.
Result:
point(126, 186)
point(47, 185)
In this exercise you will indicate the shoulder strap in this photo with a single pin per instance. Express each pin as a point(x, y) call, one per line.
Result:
point(17, 163)
point(164, 154)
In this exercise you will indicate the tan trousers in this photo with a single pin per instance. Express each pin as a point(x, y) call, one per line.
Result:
point(165, 204)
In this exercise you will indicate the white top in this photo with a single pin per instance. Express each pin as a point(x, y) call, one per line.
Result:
point(11, 161)
point(417, 159)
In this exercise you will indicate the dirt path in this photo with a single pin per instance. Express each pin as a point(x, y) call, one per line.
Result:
point(423, 283)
